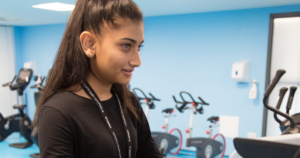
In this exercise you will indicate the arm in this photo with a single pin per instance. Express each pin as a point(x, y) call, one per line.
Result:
point(146, 145)
point(55, 136)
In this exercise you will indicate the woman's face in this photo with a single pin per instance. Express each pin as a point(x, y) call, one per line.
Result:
point(116, 52)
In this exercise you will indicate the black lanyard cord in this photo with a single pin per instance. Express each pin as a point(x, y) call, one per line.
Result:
point(88, 89)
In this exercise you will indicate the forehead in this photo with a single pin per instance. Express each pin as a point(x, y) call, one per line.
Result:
point(123, 29)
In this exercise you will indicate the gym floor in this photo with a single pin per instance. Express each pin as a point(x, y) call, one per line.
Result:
point(9, 152)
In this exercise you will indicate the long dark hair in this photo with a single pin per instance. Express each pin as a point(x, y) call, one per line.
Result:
point(71, 65)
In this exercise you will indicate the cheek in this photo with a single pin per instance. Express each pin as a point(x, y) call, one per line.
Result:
point(116, 60)
point(110, 64)
point(112, 61)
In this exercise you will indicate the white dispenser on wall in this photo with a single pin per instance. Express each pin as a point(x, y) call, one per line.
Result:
point(240, 71)
point(31, 65)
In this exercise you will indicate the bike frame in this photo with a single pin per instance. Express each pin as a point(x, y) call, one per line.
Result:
point(191, 121)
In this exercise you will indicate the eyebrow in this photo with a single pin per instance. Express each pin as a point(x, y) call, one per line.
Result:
point(132, 40)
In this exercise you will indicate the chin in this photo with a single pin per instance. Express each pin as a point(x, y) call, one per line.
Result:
point(122, 79)
point(123, 82)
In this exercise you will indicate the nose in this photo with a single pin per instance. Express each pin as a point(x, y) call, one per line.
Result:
point(135, 59)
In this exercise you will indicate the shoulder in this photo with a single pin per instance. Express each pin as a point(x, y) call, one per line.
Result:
point(65, 101)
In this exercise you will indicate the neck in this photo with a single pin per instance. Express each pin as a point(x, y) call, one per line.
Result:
point(100, 87)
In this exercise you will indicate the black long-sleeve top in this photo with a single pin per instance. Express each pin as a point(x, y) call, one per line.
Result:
point(71, 126)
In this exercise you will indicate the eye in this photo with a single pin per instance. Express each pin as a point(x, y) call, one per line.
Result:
point(126, 46)
point(140, 46)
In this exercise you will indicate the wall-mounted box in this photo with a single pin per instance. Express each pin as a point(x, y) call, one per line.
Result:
point(240, 71)
point(31, 65)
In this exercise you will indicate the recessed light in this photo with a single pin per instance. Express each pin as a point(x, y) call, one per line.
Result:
point(55, 6)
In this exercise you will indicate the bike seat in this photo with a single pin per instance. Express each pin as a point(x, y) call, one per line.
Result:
point(20, 107)
point(213, 119)
point(168, 110)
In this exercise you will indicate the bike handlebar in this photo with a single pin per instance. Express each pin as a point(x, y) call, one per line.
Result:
point(203, 102)
point(145, 97)
point(9, 83)
point(274, 82)
point(291, 97)
point(187, 94)
point(269, 90)
point(140, 98)
point(281, 96)
point(149, 101)
point(34, 86)
point(153, 98)
point(185, 103)
point(39, 85)
point(181, 108)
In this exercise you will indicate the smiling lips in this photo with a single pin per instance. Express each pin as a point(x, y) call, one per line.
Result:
point(128, 71)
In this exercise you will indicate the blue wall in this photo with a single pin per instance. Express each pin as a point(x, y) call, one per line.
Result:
point(191, 52)
point(40, 44)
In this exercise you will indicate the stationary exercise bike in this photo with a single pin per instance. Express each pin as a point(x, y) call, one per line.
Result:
point(37, 95)
point(9, 124)
point(286, 145)
point(167, 142)
point(205, 147)
point(22, 81)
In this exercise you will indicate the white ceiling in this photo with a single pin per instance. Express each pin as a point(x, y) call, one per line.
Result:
point(26, 15)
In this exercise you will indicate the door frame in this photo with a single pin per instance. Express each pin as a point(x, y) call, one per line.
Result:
point(269, 58)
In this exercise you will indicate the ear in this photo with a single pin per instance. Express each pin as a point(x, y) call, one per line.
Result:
point(87, 41)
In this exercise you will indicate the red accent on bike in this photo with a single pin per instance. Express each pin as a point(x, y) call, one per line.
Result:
point(187, 131)
point(180, 141)
point(224, 148)
point(163, 127)
point(146, 99)
point(193, 103)
point(172, 111)
point(207, 132)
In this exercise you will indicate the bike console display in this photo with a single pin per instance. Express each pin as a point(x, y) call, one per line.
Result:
point(22, 81)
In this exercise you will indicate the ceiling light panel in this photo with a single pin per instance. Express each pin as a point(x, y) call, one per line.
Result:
point(55, 6)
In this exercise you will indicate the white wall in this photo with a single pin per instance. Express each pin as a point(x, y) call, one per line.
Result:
point(7, 70)
point(285, 55)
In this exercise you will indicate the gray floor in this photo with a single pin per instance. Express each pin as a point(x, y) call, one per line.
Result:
point(8, 152)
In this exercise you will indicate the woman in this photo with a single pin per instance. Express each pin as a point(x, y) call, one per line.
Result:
point(85, 110)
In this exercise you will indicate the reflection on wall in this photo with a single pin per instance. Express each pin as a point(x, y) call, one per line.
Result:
point(192, 52)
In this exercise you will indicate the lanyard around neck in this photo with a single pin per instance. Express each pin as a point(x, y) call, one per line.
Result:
point(88, 89)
